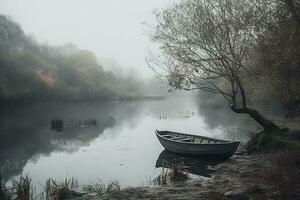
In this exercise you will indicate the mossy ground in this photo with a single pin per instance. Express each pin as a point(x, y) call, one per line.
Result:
point(273, 141)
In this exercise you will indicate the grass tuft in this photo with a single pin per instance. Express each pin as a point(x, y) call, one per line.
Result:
point(100, 188)
point(172, 172)
point(5, 192)
point(23, 188)
point(54, 190)
point(178, 172)
point(113, 186)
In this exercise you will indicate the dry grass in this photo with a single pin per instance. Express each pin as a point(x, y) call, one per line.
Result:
point(5, 193)
point(23, 188)
point(178, 172)
point(100, 188)
point(172, 172)
point(162, 178)
point(113, 186)
point(54, 190)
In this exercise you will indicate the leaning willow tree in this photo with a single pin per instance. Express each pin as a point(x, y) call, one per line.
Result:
point(209, 45)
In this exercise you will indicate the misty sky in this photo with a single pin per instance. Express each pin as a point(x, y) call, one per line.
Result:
point(112, 29)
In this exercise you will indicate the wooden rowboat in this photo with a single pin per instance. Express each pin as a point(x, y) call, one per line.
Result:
point(196, 145)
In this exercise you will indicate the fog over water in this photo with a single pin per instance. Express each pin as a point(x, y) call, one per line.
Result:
point(90, 110)
point(111, 29)
point(107, 140)
point(160, 99)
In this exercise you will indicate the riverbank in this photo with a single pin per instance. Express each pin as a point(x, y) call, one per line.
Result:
point(241, 177)
point(264, 175)
point(238, 178)
point(268, 174)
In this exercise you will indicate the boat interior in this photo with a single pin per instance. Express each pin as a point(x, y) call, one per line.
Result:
point(188, 138)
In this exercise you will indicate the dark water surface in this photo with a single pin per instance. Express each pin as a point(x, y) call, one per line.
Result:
point(107, 140)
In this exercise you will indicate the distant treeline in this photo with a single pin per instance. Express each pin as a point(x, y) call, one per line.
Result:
point(34, 72)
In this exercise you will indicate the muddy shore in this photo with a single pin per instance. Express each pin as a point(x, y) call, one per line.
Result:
point(240, 177)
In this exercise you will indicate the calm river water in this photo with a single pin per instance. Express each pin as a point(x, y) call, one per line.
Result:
point(107, 140)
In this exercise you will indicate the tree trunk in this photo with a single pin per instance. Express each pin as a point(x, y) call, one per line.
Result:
point(267, 124)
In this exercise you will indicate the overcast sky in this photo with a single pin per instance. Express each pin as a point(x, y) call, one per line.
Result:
point(112, 29)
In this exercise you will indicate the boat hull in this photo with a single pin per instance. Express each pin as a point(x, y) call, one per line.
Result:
point(216, 150)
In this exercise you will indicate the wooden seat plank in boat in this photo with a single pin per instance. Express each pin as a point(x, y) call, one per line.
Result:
point(168, 135)
point(186, 140)
point(178, 138)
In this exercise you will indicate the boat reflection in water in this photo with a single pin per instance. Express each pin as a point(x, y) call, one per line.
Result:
point(194, 165)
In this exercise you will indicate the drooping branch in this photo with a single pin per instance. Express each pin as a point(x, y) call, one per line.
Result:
point(207, 46)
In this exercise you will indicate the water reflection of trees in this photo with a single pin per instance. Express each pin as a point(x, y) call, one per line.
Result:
point(27, 131)
point(216, 115)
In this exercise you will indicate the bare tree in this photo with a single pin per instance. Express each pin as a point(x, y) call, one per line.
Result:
point(208, 45)
point(278, 49)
